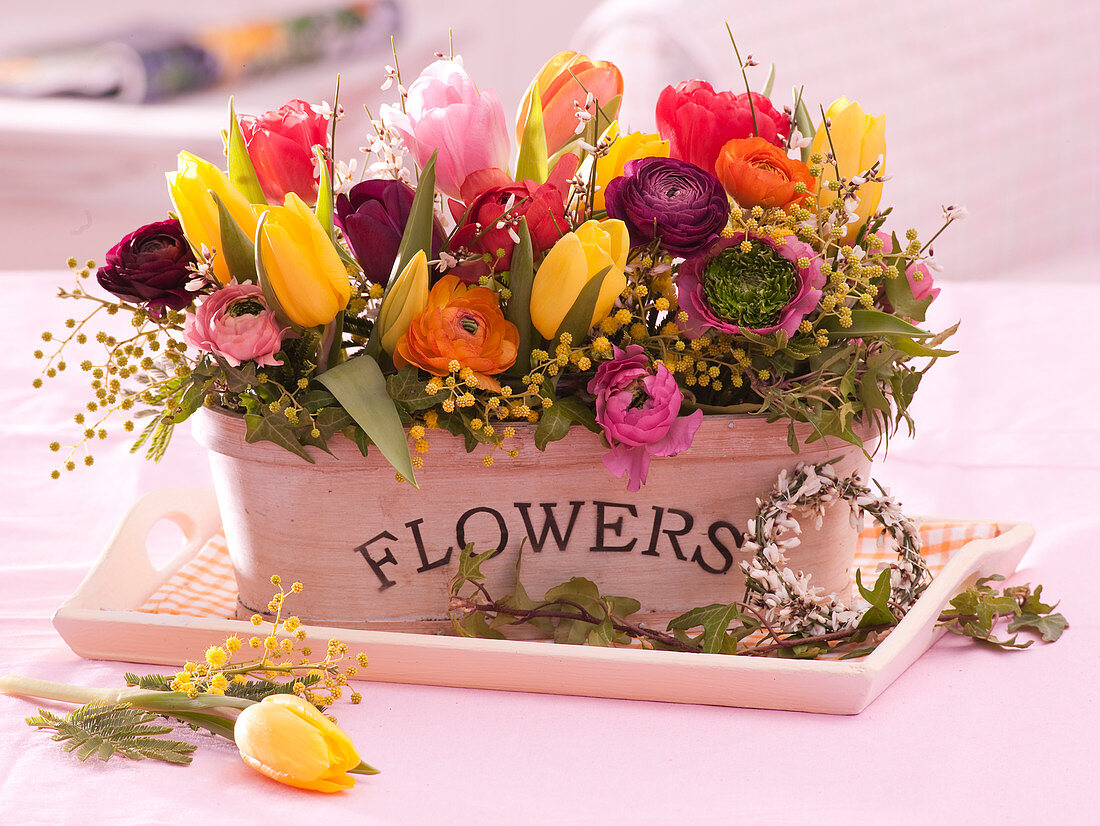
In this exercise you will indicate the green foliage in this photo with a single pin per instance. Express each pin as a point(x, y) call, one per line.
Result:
point(579, 318)
point(520, 281)
point(104, 730)
point(878, 600)
point(242, 174)
point(532, 163)
point(715, 621)
point(360, 387)
point(977, 611)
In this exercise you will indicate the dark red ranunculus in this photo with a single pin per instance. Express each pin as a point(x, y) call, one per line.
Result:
point(150, 266)
point(373, 215)
point(489, 195)
point(697, 121)
point(673, 200)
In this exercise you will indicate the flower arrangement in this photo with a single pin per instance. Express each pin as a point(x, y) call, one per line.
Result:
point(736, 261)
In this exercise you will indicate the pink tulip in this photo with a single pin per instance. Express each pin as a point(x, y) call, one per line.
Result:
point(235, 323)
point(280, 144)
point(444, 111)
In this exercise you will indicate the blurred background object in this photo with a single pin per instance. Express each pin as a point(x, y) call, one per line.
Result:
point(988, 104)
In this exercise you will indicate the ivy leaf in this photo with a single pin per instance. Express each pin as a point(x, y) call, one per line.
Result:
point(107, 729)
point(553, 425)
point(1049, 627)
point(273, 428)
point(469, 567)
point(406, 388)
point(878, 598)
point(715, 620)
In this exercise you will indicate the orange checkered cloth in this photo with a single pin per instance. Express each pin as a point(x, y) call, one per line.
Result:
point(206, 587)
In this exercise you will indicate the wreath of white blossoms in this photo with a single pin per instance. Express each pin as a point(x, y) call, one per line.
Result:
point(789, 602)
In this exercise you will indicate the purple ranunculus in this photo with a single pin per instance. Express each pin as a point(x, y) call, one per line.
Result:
point(373, 215)
point(639, 411)
point(760, 291)
point(685, 206)
point(150, 266)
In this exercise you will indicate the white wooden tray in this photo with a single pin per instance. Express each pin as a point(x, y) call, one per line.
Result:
point(101, 621)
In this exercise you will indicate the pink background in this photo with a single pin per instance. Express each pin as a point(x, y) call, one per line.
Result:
point(989, 104)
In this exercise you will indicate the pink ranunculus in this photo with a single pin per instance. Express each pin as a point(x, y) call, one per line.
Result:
point(280, 144)
point(639, 409)
point(444, 111)
point(697, 121)
point(236, 324)
point(691, 288)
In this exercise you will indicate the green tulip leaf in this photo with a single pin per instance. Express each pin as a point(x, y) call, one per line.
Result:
point(804, 124)
point(360, 387)
point(417, 236)
point(532, 163)
point(767, 90)
point(270, 298)
point(324, 194)
point(237, 249)
point(872, 323)
point(242, 174)
point(579, 318)
point(518, 311)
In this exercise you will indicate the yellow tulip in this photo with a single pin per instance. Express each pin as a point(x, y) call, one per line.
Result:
point(625, 148)
point(858, 140)
point(571, 263)
point(289, 740)
point(406, 299)
point(302, 265)
point(190, 187)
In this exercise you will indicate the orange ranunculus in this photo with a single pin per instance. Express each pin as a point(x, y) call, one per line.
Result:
point(565, 80)
point(462, 324)
point(756, 172)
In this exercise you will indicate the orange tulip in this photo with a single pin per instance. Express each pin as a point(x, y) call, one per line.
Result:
point(565, 80)
point(756, 172)
point(460, 324)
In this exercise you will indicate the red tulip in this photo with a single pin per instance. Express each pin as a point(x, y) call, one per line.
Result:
point(280, 144)
point(562, 83)
point(697, 121)
point(490, 196)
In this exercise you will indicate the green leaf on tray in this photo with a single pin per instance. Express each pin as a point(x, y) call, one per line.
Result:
point(878, 598)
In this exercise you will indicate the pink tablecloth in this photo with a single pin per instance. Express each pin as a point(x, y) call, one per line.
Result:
point(1008, 429)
